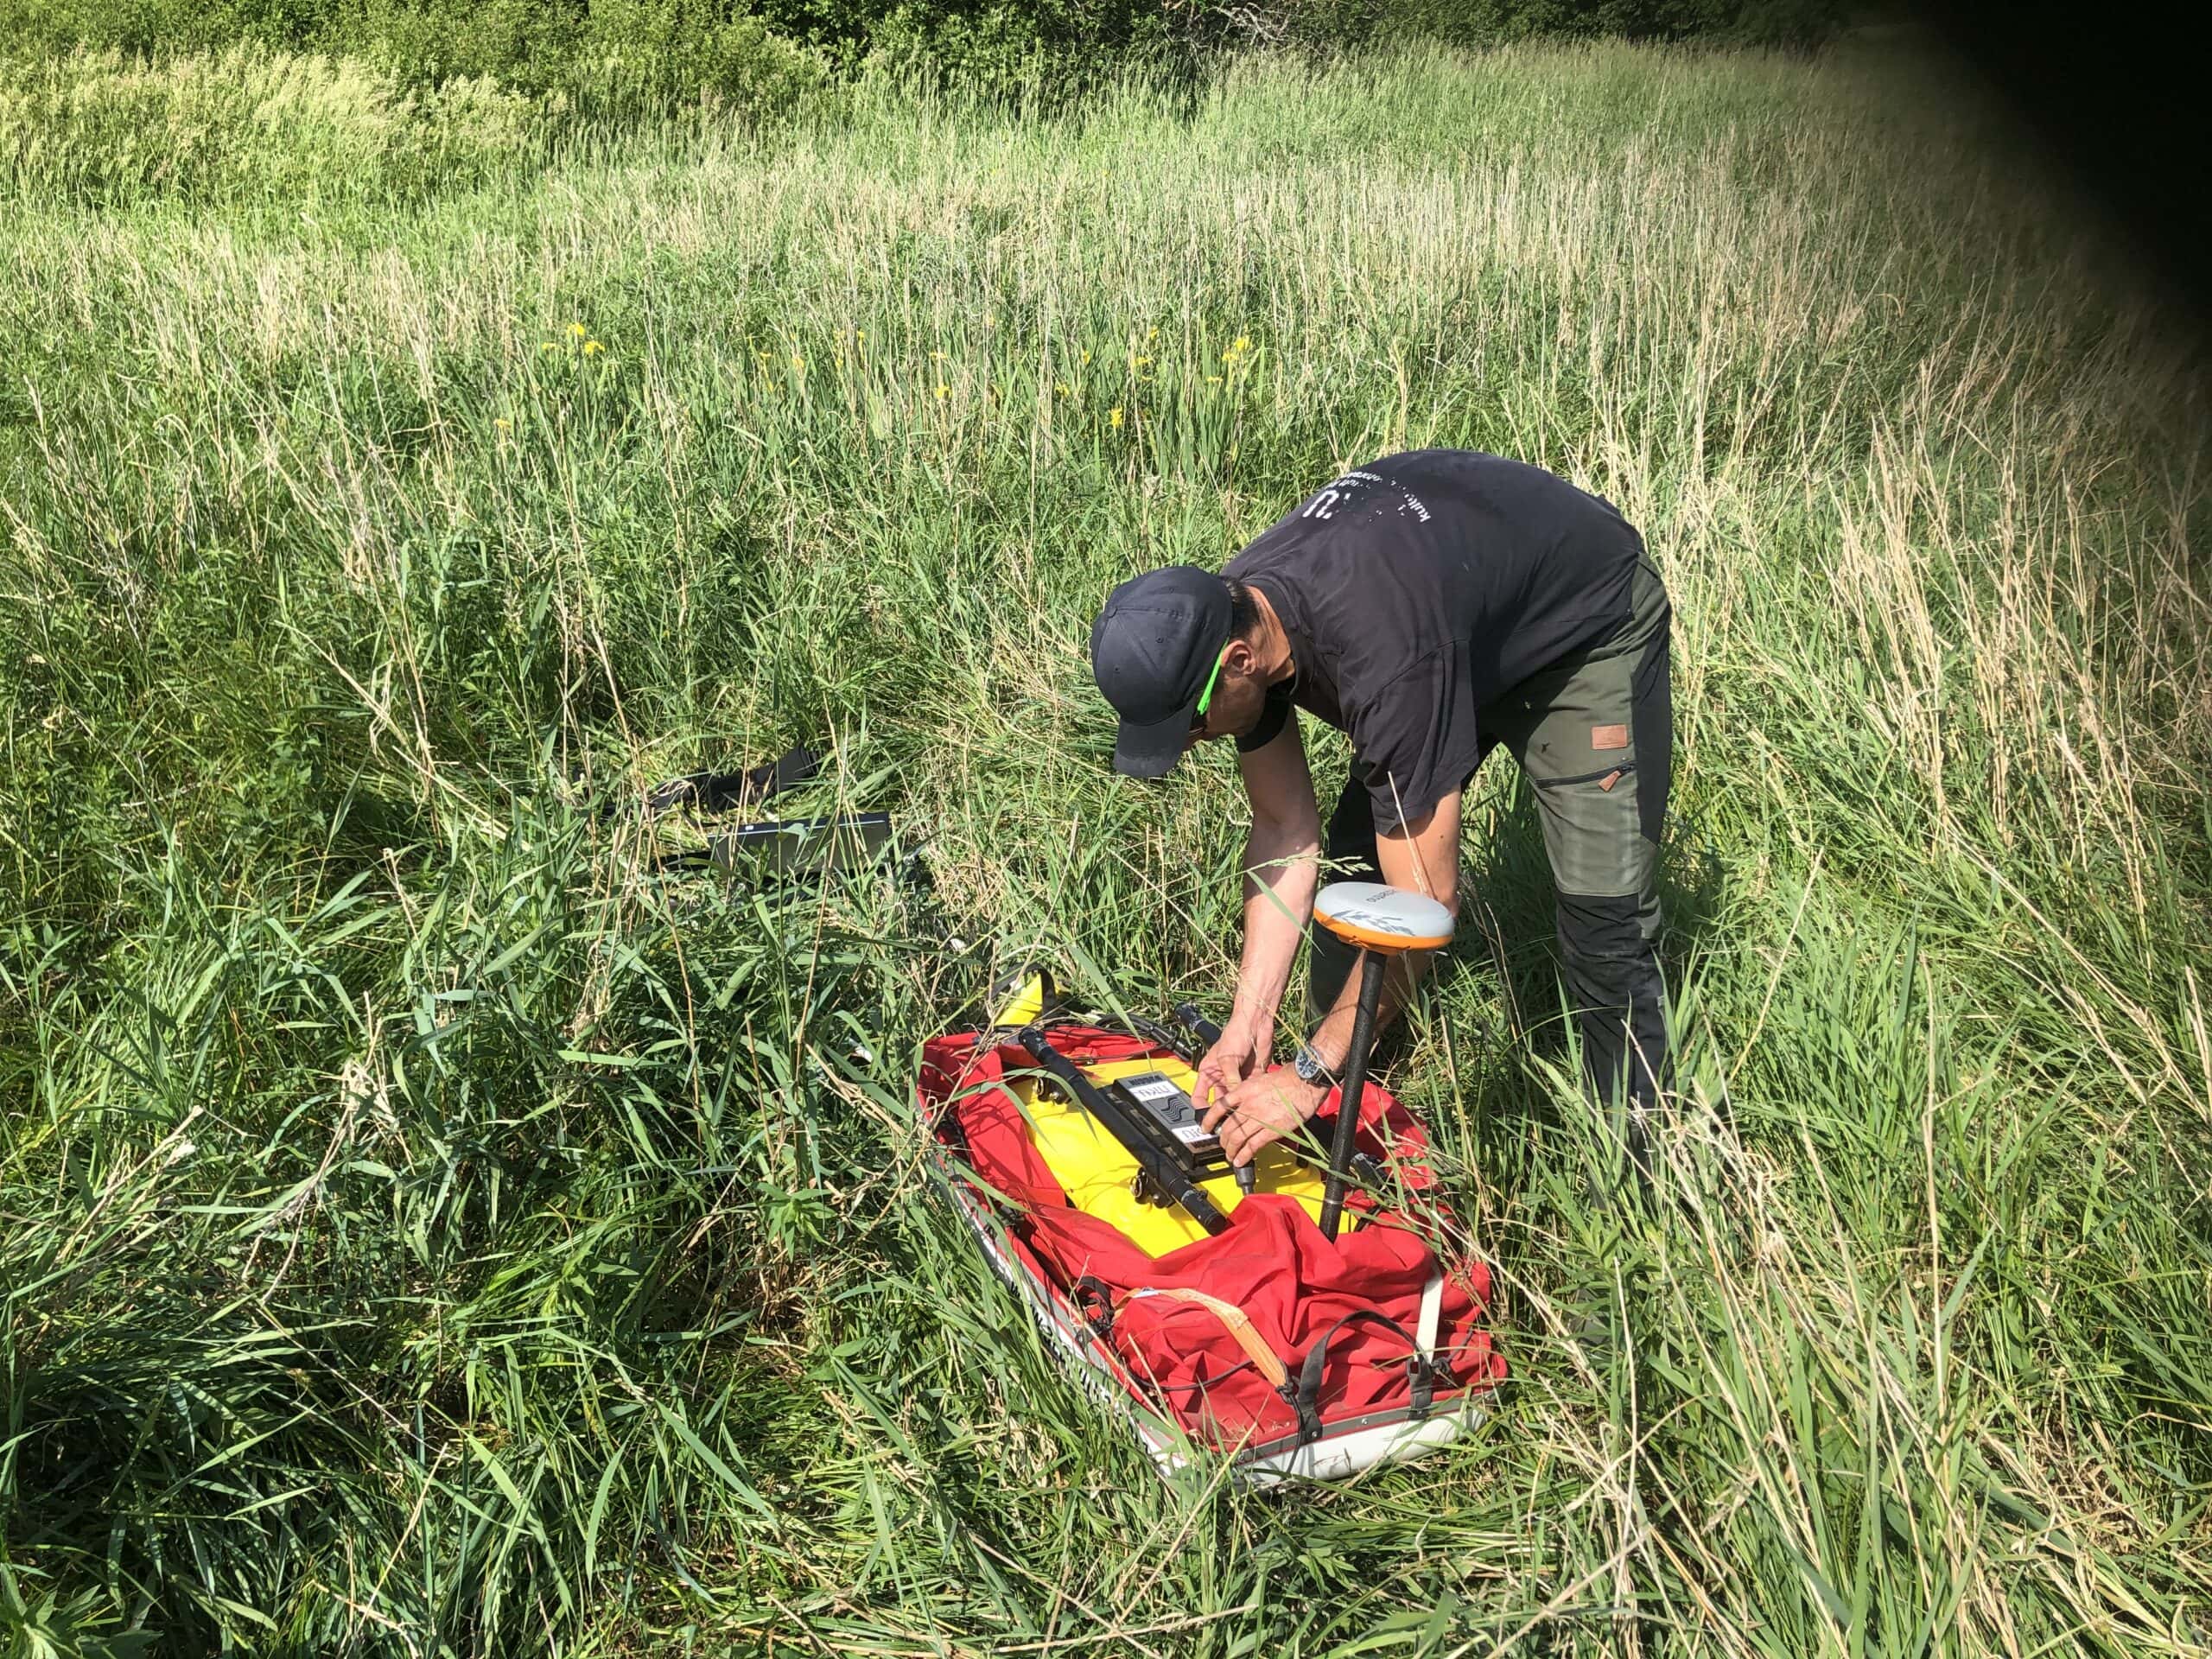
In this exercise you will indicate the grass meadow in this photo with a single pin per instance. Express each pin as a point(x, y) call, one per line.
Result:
point(426, 1231)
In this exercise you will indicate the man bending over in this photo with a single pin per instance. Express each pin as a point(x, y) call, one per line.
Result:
point(1433, 606)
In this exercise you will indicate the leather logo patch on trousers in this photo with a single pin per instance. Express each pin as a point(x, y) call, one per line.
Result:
point(1609, 737)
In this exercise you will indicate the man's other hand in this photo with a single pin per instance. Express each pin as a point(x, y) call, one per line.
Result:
point(1266, 1106)
point(1238, 1054)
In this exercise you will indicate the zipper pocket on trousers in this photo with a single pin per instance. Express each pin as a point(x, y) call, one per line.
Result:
point(1624, 769)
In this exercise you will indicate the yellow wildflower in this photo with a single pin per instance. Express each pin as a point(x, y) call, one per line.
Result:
point(1151, 333)
point(1113, 417)
point(1063, 388)
point(591, 345)
point(936, 357)
point(503, 424)
point(797, 362)
point(1086, 357)
point(942, 390)
point(1213, 380)
point(577, 329)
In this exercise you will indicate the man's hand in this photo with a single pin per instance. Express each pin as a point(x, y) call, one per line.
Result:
point(1240, 1052)
point(1266, 1106)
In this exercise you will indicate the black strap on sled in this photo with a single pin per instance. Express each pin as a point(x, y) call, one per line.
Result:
point(1094, 1299)
point(1305, 1394)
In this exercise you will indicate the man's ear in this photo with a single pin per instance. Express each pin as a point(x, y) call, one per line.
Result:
point(1240, 658)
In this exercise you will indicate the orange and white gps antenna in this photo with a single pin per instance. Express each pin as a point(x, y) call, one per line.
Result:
point(1382, 922)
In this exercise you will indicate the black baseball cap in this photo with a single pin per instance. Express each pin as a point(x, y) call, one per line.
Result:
point(1153, 652)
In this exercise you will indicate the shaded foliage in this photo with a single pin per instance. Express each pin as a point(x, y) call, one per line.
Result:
point(765, 56)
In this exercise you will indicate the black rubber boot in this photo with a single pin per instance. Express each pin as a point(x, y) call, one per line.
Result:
point(1611, 959)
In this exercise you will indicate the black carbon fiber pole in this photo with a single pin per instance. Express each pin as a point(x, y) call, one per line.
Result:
point(1248, 1177)
point(1204, 1029)
point(1371, 967)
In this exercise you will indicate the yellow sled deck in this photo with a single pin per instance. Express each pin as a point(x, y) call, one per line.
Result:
point(1097, 1174)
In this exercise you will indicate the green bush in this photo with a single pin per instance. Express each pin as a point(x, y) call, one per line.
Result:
point(635, 53)
point(1045, 53)
point(612, 58)
point(999, 50)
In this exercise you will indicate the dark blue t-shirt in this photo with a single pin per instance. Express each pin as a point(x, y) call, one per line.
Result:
point(1417, 589)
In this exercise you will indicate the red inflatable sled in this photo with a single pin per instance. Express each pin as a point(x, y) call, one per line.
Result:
point(1228, 1325)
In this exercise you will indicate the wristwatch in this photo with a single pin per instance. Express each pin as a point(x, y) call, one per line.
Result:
point(1308, 1066)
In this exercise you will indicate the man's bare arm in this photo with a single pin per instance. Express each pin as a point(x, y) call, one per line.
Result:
point(1281, 857)
point(1423, 857)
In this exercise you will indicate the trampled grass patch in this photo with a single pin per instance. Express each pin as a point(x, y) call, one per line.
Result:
point(426, 1231)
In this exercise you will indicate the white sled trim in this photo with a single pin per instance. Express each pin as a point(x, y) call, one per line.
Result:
point(1333, 1457)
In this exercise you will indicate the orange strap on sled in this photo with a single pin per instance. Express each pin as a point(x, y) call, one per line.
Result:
point(1239, 1325)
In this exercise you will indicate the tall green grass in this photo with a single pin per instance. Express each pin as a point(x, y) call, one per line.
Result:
point(426, 1232)
point(247, 128)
